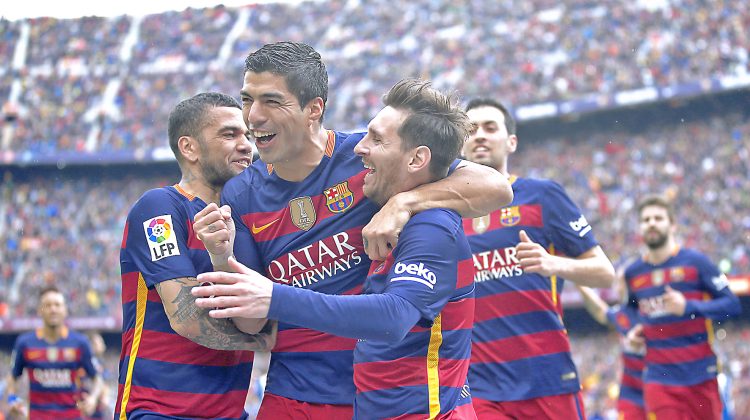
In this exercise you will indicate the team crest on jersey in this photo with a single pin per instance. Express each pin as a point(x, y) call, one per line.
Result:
point(52, 354)
point(302, 212)
point(677, 274)
point(480, 224)
point(69, 354)
point(338, 197)
point(657, 277)
point(510, 216)
point(160, 237)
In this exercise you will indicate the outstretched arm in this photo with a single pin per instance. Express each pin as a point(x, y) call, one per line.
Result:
point(472, 190)
point(595, 305)
point(195, 324)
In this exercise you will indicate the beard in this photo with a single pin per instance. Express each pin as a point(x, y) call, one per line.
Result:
point(655, 240)
point(216, 175)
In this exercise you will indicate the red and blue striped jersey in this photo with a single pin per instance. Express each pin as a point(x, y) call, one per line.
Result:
point(520, 345)
point(53, 371)
point(308, 234)
point(161, 372)
point(624, 318)
point(425, 374)
point(679, 348)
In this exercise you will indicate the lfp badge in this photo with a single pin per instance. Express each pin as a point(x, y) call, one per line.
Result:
point(338, 197)
point(161, 239)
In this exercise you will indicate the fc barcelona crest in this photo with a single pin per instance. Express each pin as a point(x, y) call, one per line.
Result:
point(480, 224)
point(677, 275)
point(302, 211)
point(69, 354)
point(338, 197)
point(510, 216)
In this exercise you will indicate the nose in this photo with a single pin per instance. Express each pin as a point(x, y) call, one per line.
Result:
point(243, 144)
point(361, 149)
point(253, 113)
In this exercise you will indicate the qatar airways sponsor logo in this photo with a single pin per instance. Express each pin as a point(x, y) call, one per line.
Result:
point(496, 264)
point(318, 261)
point(53, 378)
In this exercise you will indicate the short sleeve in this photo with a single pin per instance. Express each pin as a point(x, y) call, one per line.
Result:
point(568, 230)
point(425, 266)
point(157, 237)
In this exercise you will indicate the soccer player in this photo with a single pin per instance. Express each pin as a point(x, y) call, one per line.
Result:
point(52, 356)
point(302, 209)
point(176, 361)
point(413, 320)
point(521, 365)
point(678, 292)
point(623, 317)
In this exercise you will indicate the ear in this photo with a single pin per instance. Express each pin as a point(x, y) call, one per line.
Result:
point(512, 143)
point(189, 148)
point(316, 108)
point(420, 159)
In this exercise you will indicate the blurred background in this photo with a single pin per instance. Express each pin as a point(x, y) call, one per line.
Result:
point(614, 100)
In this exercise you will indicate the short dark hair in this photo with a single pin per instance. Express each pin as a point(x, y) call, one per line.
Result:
point(48, 289)
point(435, 121)
point(510, 122)
point(189, 116)
point(299, 64)
point(658, 201)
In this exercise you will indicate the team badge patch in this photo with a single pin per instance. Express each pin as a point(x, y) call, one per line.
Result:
point(52, 354)
point(338, 197)
point(160, 237)
point(480, 224)
point(657, 277)
point(510, 216)
point(69, 354)
point(677, 274)
point(302, 212)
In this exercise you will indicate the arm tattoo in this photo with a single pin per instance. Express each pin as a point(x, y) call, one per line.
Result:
point(218, 334)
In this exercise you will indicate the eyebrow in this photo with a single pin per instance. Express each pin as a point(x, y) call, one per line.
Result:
point(269, 95)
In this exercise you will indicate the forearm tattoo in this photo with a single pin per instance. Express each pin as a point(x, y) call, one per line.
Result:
point(218, 334)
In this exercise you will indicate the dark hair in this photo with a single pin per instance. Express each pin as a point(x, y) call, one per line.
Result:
point(658, 201)
point(299, 64)
point(48, 289)
point(189, 116)
point(510, 122)
point(435, 121)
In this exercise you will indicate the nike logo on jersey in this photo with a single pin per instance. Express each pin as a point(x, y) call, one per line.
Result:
point(257, 230)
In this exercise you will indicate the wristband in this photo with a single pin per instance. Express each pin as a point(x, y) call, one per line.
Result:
point(12, 399)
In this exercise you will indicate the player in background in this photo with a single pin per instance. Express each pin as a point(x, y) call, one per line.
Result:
point(103, 408)
point(52, 356)
point(176, 361)
point(302, 211)
point(678, 292)
point(623, 317)
point(413, 320)
point(521, 365)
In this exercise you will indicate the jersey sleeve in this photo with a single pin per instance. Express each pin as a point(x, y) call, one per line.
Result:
point(568, 228)
point(157, 236)
point(87, 358)
point(16, 358)
point(723, 303)
point(425, 268)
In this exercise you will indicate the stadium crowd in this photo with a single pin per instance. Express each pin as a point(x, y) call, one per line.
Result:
point(533, 52)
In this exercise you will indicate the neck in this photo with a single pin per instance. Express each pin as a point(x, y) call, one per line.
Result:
point(51, 332)
point(198, 187)
point(659, 255)
point(300, 166)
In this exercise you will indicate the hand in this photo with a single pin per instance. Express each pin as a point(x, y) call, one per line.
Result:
point(244, 293)
point(635, 340)
point(380, 235)
point(534, 258)
point(674, 301)
point(87, 405)
point(214, 226)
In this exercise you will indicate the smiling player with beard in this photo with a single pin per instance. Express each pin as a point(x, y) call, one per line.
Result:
point(678, 292)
